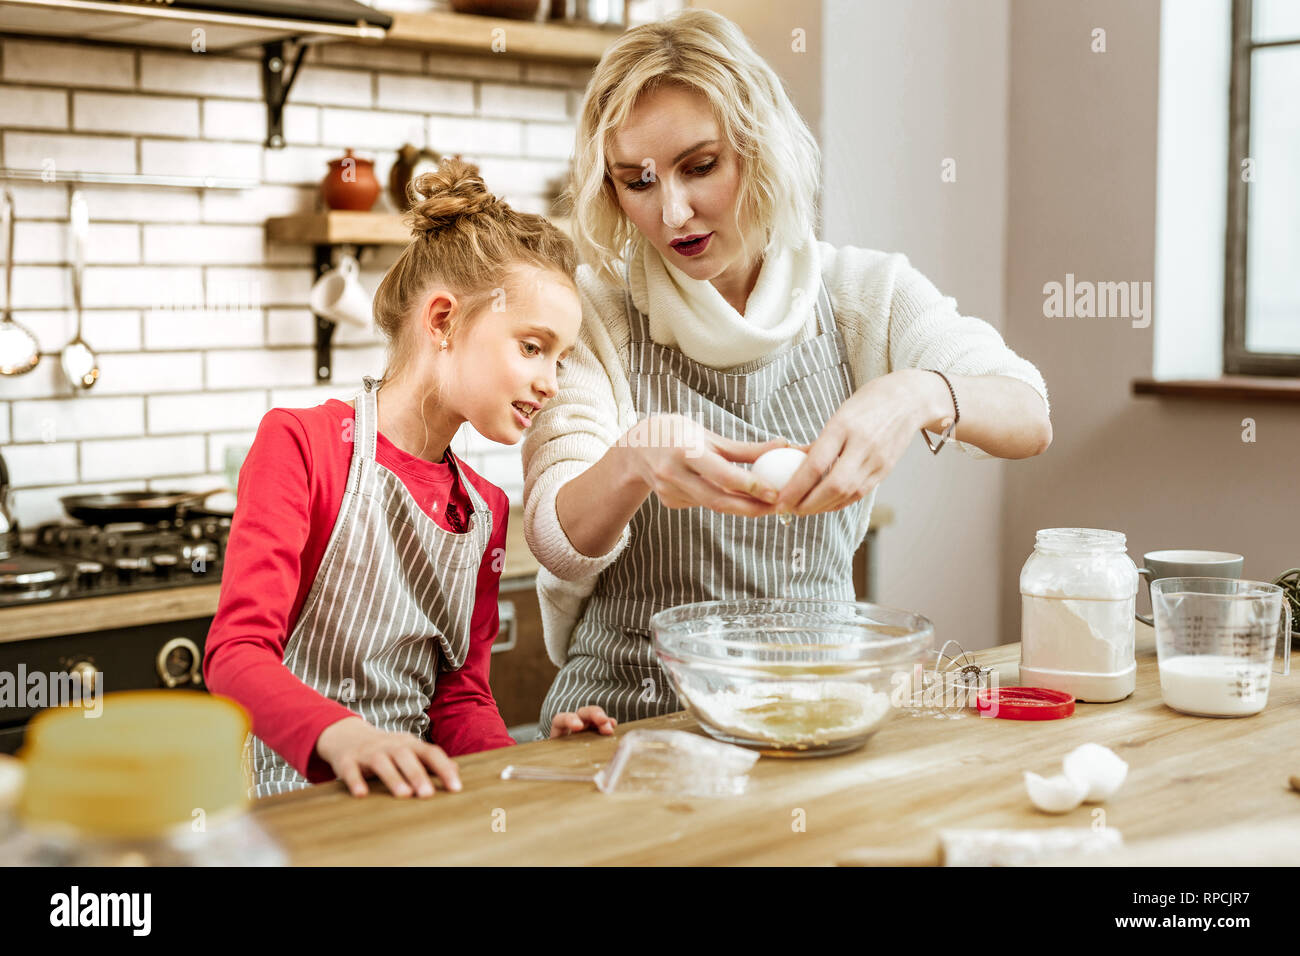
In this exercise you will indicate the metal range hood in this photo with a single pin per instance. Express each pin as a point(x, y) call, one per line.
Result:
point(226, 24)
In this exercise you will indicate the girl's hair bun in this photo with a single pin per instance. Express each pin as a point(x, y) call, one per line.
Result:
point(439, 199)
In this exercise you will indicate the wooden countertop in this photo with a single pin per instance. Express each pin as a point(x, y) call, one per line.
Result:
point(915, 776)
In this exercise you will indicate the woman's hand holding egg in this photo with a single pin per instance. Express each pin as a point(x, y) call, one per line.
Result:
point(688, 466)
point(859, 446)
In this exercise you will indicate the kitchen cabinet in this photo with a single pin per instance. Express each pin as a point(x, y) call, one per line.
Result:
point(916, 776)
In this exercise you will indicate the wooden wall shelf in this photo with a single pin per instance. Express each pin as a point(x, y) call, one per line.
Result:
point(340, 227)
point(1229, 388)
point(464, 33)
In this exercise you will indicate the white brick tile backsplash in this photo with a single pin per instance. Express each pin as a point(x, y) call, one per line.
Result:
point(260, 368)
point(203, 245)
point(245, 121)
point(142, 458)
point(47, 242)
point(72, 64)
point(298, 164)
point(68, 153)
point(145, 373)
point(266, 287)
point(370, 129)
point(424, 94)
point(4, 423)
point(328, 86)
point(548, 140)
point(454, 134)
point(520, 177)
point(177, 414)
point(352, 364)
point(175, 158)
point(40, 200)
point(311, 396)
point(141, 203)
point(40, 109)
point(222, 328)
point(44, 381)
point(370, 57)
point(522, 102)
point(133, 113)
point(41, 287)
point(110, 331)
point(140, 286)
point(42, 463)
point(200, 73)
point(255, 206)
point(66, 419)
point(218, 443)
point(298, 327)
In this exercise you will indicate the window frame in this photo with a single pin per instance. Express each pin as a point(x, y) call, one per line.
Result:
point(1237, 360)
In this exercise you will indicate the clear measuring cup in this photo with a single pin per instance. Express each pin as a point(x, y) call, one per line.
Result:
point(1218, 641)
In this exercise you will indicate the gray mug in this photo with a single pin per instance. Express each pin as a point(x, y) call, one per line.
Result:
point(1187, 564)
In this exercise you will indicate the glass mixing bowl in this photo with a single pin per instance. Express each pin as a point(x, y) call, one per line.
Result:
point(789, 677)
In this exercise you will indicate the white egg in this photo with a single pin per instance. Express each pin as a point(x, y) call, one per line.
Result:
point(778, 466)
point(1098, 768)
point(1057, 794)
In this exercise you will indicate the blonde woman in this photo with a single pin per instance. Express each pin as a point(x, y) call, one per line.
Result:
point(715, 326)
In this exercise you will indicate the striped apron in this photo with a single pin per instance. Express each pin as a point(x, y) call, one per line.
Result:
point(677, 556)
point(391, 603)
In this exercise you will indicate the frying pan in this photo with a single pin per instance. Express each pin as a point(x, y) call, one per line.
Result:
point(146, 506)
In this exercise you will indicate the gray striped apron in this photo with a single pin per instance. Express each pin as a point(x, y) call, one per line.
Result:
point(677, 556)
point(391, 603)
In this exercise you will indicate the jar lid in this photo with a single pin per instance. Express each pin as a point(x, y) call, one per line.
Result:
point(1025, 703)
point(1081, 539)
point(144, 763)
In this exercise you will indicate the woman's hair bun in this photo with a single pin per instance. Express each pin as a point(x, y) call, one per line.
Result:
point(440, 198)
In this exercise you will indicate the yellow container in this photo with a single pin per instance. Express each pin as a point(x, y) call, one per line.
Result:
point(149, 762)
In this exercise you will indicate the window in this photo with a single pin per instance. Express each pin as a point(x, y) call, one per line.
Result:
point(1261, 302)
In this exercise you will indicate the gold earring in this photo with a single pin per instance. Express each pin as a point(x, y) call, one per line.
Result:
point(444, 344)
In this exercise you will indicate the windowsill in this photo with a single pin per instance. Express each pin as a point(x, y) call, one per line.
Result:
point(1228, 388)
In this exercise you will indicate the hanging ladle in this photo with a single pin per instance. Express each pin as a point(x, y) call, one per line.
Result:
point(19, 351)
point(79, 363)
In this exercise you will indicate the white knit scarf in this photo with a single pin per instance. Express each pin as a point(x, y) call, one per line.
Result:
point(691, 315)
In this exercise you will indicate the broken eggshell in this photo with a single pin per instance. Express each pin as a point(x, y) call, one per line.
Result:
point(1098, 768)
point(1057, 794)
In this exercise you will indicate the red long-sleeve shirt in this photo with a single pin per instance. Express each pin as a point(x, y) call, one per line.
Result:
point(290, 490)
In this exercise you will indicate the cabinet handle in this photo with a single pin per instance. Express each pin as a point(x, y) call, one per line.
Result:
point(507, 628)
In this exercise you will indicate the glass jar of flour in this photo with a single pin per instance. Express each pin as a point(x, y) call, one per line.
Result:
point(1078, 592)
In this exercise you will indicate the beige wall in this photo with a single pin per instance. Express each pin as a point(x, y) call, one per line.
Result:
point(1082, 175)
point(906, 86)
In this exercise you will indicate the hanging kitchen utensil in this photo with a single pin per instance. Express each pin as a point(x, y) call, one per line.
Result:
point(145, 506)
point(19, 351)
point(80, 364)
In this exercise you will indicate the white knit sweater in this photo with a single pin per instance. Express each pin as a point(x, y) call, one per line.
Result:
point(890, 315)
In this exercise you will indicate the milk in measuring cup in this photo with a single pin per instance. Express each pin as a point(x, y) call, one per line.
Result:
point(1214, 685)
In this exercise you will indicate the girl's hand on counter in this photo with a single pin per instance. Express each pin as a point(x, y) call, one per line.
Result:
point(862, 442)
point(355, 749)
point(688, 466)
point(590, 716)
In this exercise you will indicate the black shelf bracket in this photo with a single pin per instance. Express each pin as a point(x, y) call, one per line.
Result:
point(324, 327)
point(277, 80)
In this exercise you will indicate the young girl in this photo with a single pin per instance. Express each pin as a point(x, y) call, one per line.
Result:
point(359, 594)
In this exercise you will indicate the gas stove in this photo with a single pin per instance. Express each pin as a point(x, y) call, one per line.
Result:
point(65, 561)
